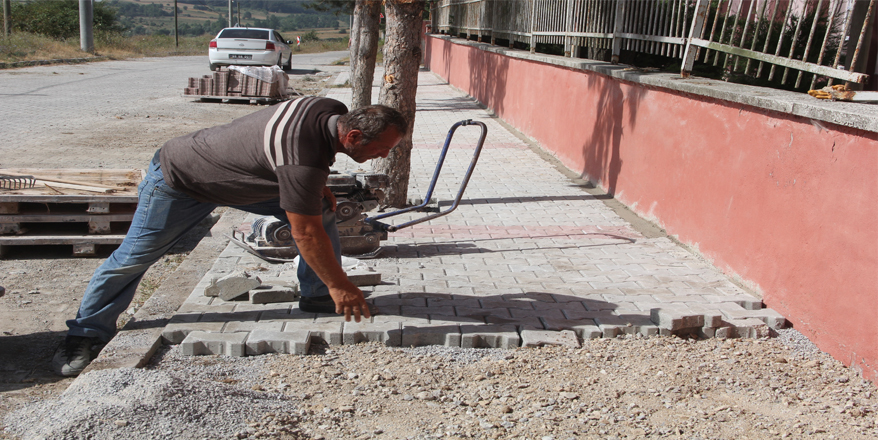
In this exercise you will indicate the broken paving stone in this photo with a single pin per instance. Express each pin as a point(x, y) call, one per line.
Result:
point(232, 286)
point(273, 294)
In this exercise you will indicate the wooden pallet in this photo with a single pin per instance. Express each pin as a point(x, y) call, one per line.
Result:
point(263, 100)
point(50, 215)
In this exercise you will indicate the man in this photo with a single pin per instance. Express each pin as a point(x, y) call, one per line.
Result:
point(272, 162)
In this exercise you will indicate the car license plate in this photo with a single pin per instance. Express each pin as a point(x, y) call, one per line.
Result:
point(240, 57)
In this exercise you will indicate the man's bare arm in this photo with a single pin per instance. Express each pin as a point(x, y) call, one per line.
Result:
point(315, 248)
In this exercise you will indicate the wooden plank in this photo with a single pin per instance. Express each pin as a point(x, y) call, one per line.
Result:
point(64, 218)
point(26, 240)
point(124, 181)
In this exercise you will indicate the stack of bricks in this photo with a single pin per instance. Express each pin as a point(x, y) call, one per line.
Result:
point(231, 83)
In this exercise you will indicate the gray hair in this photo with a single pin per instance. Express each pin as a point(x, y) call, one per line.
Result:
point(372, 121)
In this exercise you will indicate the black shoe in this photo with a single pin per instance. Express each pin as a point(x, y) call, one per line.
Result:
point(317, 304)
point(75, 354)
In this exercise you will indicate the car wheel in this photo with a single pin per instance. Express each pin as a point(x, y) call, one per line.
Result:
point(281, 61)
point(289, 64)
point(214, 67)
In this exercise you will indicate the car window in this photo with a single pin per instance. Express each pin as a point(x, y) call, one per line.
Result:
point(253, 34)
point(279, 37)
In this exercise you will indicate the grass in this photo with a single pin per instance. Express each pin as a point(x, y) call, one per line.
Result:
point(20, 46)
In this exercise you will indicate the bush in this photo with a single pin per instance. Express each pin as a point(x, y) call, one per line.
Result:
point(60, 18)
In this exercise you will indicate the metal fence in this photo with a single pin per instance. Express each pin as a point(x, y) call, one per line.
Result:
point(777, 40)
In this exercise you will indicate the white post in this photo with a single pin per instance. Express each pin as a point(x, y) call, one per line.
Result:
point(86, 38)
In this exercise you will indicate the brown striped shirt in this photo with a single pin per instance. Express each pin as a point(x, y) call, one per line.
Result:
point(284, 151)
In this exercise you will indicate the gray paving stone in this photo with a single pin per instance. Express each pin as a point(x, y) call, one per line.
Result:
point(364, 278)
point(273, 294)
point(270, 341)
point(237, 326)
point(548, 313)
point(388, 333)
point(743, 328)
point(326, 332)
point(532, 337)
point(175, 333)
point(447, 334)
point(489, 336)
point(232, 285)
point(584, 328)
point(675, 319)
point(200, 343)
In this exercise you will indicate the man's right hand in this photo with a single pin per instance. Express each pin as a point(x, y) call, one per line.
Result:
point(350, 302)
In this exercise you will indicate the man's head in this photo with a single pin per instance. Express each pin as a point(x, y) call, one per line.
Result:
point(370, 132)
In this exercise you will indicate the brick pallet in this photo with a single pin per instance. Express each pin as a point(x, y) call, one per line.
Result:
point(55, 215)
point(232, 85)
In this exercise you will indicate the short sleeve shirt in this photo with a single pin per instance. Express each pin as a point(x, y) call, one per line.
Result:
point(284, 151)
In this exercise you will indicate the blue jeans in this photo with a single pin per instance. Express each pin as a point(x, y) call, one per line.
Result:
point(163, 216)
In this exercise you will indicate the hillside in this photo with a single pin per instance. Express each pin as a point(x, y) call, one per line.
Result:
point(198, 17)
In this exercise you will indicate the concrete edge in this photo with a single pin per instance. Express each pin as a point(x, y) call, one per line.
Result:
point(136, 343)
point(848, 114)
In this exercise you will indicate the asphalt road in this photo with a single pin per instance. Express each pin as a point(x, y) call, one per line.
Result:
point(89, 107)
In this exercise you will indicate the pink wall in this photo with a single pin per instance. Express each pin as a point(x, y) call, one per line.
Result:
point(789, 208)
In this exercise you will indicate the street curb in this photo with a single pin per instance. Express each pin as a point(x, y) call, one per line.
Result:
point(136, 343)
point(48, 62)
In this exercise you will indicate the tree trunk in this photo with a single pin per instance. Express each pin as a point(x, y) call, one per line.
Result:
point(364, 45)
point(402, 56)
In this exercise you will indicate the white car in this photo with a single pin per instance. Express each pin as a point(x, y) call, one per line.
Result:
point(249, 46)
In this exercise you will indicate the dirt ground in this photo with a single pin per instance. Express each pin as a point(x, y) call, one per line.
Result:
point(619, 388)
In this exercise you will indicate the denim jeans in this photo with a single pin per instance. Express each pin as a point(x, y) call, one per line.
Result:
point(163, 216)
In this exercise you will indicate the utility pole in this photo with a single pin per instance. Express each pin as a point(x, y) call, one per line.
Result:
point(7, 21)
point(86, 14)
point(176, 41)
point(230, 14)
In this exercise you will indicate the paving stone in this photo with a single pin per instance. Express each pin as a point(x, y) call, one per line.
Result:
point(627, 324)
point(388, 333)
point(425, 311)
point(772, 318)
point(489, 336)
point(471, 302)
point(532, 337)
point(364, 278)
point(269, 341)
point(326, 332)
point(549, 313)
point(199, 343)
point(175, 333)
point(404, 319)
point(447, 334)
point(521, 322)
point(237, 326)
point(477, 311)
point(743, 328)
point(676, 319)
point(500, 303)
point(711, 315)
point(584, 328)
point(232, 286)
point(273, 294)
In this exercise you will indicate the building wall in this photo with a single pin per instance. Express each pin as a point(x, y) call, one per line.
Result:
point(785, 204)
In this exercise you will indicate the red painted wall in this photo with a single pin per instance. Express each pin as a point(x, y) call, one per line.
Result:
point(787, 206)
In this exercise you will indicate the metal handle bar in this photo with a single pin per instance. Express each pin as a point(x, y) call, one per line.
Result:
point(373, 221)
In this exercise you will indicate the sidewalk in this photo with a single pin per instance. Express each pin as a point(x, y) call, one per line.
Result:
point(528, 258)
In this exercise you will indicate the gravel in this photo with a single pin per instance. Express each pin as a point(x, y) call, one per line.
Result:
point(658, 387)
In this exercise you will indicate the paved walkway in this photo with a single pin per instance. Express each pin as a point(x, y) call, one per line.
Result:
point(528, 258)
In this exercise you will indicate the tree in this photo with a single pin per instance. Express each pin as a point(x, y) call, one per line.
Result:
point(363, 48)
point(402, 55)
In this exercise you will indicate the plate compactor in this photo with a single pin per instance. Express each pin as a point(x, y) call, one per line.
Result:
point(356, 194)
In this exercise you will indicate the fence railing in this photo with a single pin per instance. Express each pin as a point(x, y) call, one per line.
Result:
point(779, 40)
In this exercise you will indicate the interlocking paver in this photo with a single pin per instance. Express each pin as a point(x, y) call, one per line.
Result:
point(526, 255)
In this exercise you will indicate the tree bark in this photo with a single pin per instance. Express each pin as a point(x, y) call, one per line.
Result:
point(402, 56)
point(364, 46)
